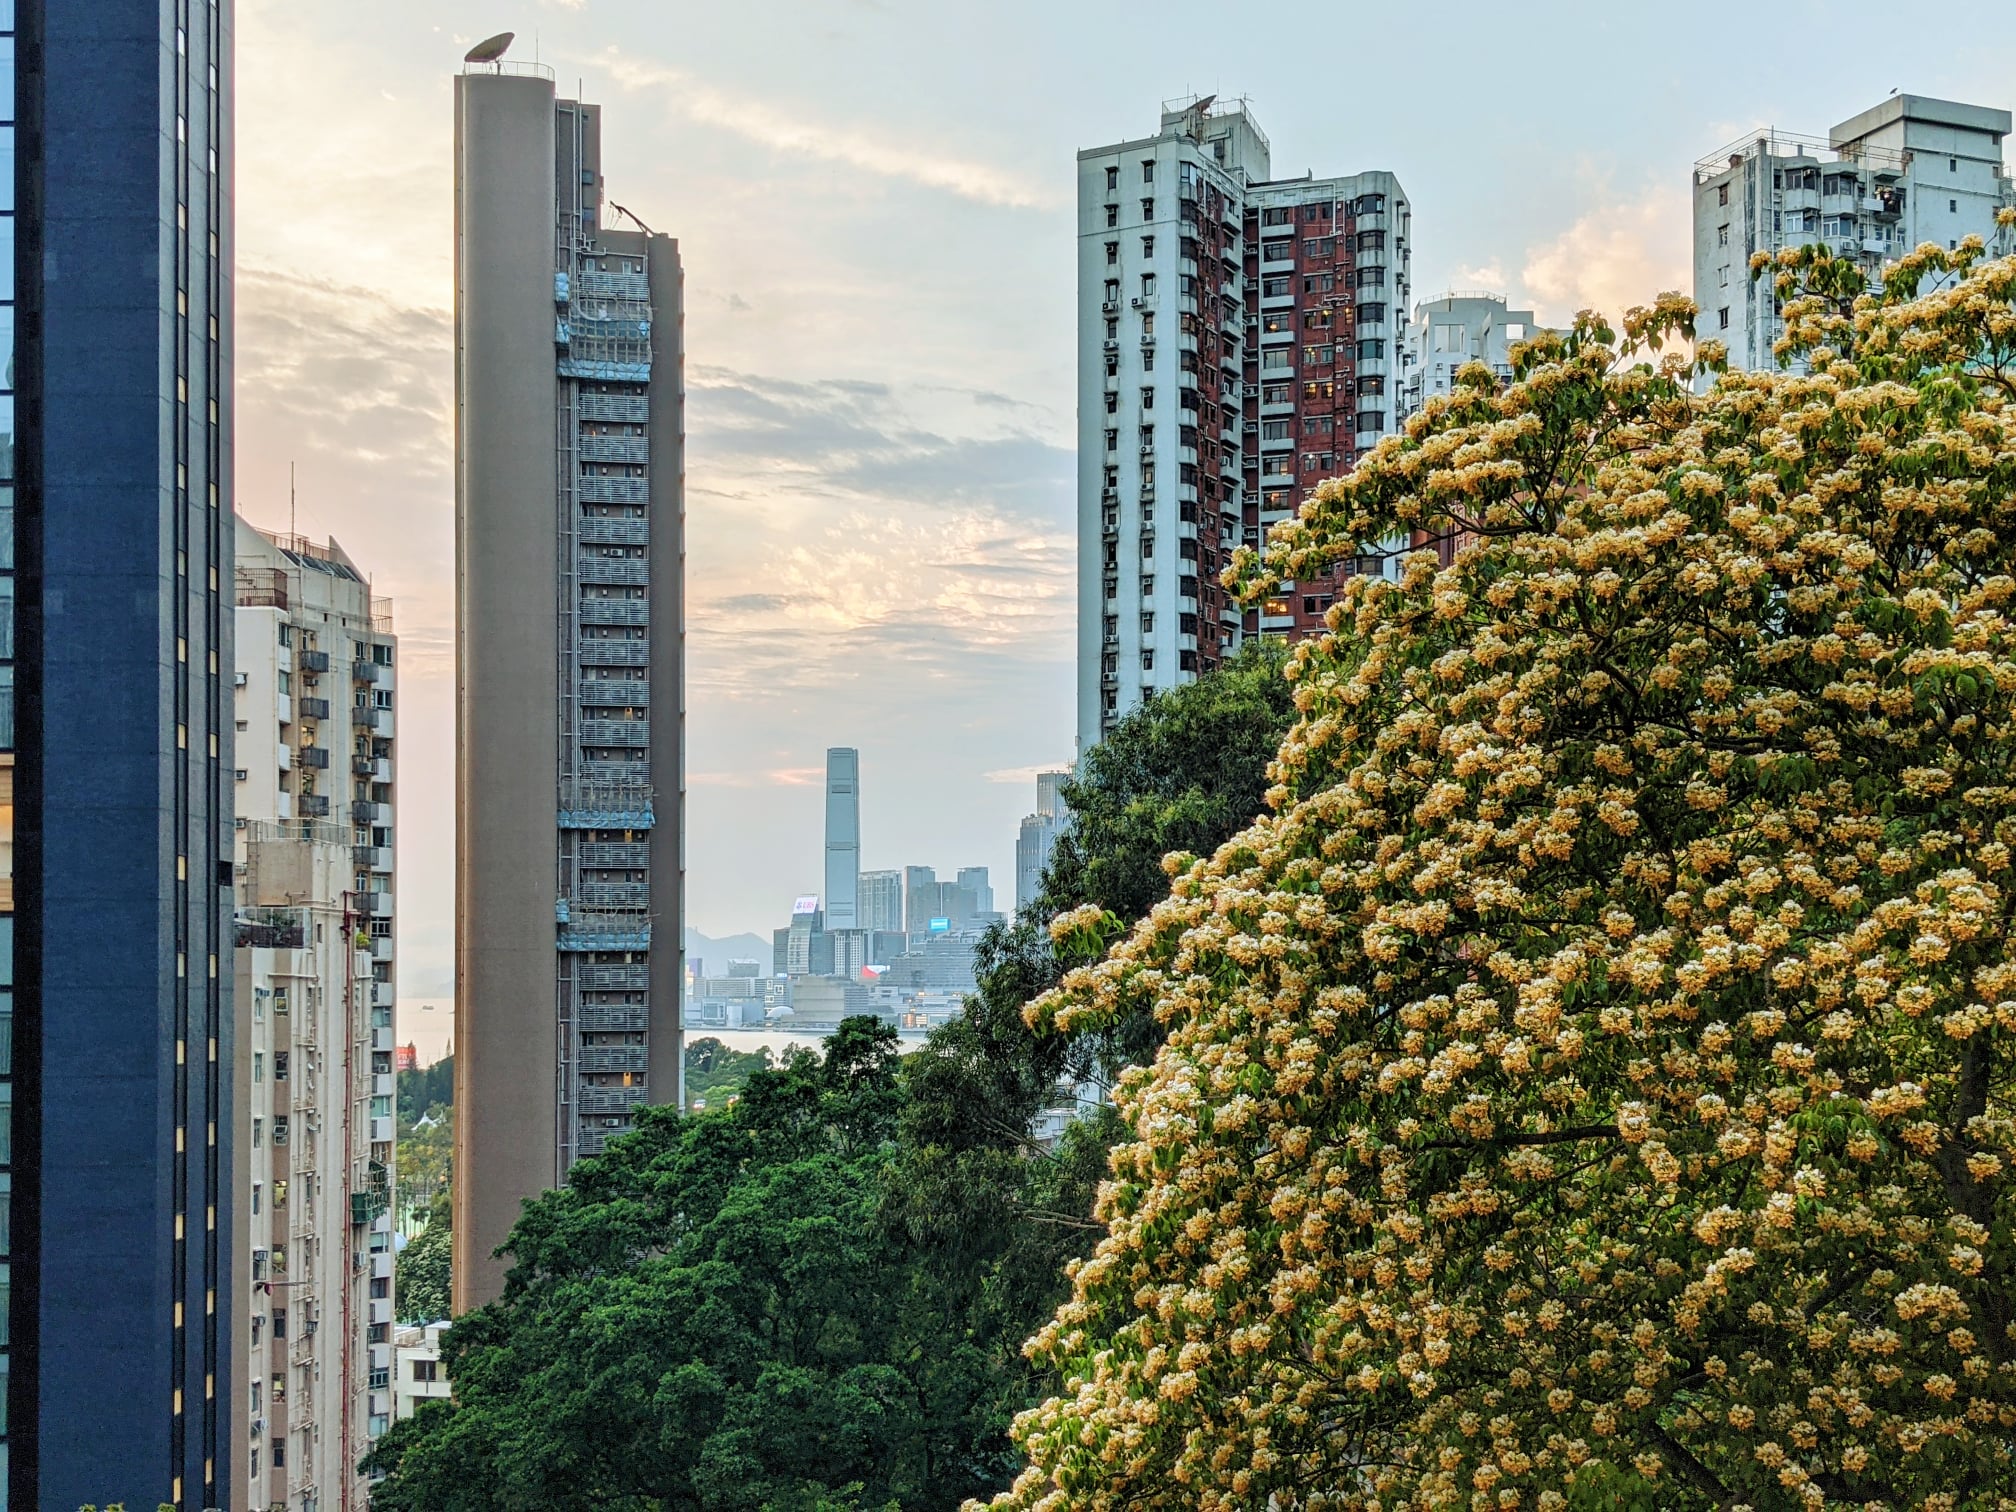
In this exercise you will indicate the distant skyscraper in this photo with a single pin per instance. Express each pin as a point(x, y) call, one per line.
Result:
point(569, 646)
point(1905, 171)
point(843, 838)
point(121, 1249)
point(1038, 837)
point(1236, 346)
point(973, 879)
point(882, 900)
point(920, 898)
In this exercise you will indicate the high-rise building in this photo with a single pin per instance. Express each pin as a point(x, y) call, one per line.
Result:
point(116, 1178)
point(920, 898)
point(1908, 170)
point(314, 973)
point(843, 838)
point(973, 880)
point(1038, 837)
point(1450, 332)
point(569, 774)
point(1237, 346)
point(882, 900)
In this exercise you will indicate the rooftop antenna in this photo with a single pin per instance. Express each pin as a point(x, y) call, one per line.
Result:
point(290, 499)
point(490, 49)
point(631, 215)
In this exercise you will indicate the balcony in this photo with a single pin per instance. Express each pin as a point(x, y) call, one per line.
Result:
point(615, 653)
point(367, 672)
point(379, 904)
point(631, 409)
point(613, 530)
point(630, 693)
point(625, 976)
point(381, 995)
point(314, 758)
point(617, 803)
point(627, 449)
point(312, 708)
point(590, 929)
point(312, 805)
point(624, 853)
point(610, 1099)
point(634, 571)
point(613, 1058)
point(615, 732)
point(311, 662)
point(608, 895)
point(381, 950)
point(592, 488)
point(601, 611)
point(613, 1018)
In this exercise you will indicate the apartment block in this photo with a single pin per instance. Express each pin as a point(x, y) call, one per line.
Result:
point(119, 1240)
point(569, 645)
point(316, 982)
point(1038, 837)
point(1238, 344)
point(1906, 171)
point(882, 901)
point(1454, 330)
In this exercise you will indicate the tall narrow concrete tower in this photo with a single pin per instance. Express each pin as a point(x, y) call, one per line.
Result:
point(569, 523)
point(843, 838)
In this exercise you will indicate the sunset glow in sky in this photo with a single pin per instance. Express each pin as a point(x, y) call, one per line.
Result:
point(873, 203)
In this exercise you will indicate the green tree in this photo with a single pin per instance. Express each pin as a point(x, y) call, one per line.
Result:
point(424, 1090)
point(712, 1315)
point(715, 1073)
point(1590, 1084)
point(422, 1276)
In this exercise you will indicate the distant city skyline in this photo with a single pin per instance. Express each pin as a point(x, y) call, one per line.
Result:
point(880, 471)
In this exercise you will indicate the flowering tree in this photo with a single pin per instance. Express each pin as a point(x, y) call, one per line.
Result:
point(1589, 1085)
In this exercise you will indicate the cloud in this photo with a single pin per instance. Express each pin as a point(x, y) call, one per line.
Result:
point(1621, 252)
point(825, 141)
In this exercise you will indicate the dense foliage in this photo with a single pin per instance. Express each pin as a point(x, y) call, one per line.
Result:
point(715, 1073)
point(750, 1309)
point(817, 1298)
point(425, 1090)
point(1590, 1085)
point(422, 1276)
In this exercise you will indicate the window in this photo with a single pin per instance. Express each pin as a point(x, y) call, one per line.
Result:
point(1112, 177)
point(1147, 584)
point(1147, 437)
point(1147, 660)
point(1274, 430)
point(1112, 402)
point(1722, 194)
point(1278, 393)
point(1147, 323)
point(1375, 384)
point(1112, 253)
point(1112, 440)
point(1277, 215)
point(1148, 170)
point(1274, 288)
point(1148, 208)
point(1147, 246)
point(1952, 165)
point(1318, 283)
point(1320, 389)
point(1318, 355)
point(1147, 398)
point(1148, 623)
point(1370, 278)
point(1147, 285)
point(277, 1450)
point(1953, 206)
point(1112, 216)
point(1374, 347)
point(1277, 251)
point(1277, 357)
point(1320, 246)
point(426, 1370)
point(1319, 320)
point(1722, 317)
point(1722, 276)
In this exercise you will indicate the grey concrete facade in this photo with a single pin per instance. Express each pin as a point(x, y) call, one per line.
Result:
point(569, 562)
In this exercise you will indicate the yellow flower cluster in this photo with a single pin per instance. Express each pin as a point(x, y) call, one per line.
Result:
point(1590, 1083)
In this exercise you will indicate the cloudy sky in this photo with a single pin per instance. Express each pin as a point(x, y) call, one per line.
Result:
point(873, 203)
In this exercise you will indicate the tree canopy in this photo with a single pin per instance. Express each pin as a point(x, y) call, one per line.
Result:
point(1589, 1084)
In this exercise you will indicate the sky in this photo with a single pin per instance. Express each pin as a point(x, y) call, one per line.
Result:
point(873, 203)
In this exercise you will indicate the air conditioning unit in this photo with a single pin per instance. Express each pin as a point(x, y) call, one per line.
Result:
point(241, 679)
point(1112, 345)
point(1137, 301)
point(1110, 307)
point(612, 1123)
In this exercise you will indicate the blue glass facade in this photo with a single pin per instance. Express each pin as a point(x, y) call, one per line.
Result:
point(122, 1287)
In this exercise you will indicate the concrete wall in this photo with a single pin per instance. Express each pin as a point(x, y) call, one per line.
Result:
point(665, 1067)
point(506, 727)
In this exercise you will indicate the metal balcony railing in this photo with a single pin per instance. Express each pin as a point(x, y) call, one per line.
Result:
point(615, 653)
point(602, 530)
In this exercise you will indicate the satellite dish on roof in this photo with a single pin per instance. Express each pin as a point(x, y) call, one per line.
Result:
point(490, 49)
point(1204, 104)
